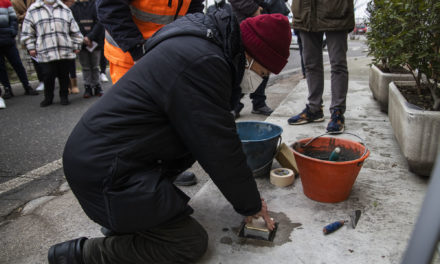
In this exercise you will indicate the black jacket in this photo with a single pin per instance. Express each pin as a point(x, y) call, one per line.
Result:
point(84, 12)
point(117, 20)
point(173, 103)
point(8, 23)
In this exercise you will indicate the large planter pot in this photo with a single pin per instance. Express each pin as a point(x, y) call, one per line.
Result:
point(417, 131)
point(379, 83)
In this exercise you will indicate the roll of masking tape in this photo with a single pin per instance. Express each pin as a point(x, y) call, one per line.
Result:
point(282, 177)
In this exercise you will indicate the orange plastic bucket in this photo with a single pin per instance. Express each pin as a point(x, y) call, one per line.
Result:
point(323, 180)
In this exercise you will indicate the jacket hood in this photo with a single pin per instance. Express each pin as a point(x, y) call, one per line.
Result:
point(220, 27)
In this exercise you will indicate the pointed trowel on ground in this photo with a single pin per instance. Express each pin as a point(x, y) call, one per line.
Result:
point(354, 219)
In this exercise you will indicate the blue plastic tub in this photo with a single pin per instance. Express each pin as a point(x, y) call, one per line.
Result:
point(260, 141)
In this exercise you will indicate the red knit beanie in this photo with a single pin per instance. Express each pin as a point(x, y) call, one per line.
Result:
point(267, 39)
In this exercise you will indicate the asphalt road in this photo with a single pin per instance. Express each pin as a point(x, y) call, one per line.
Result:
point(32, 138)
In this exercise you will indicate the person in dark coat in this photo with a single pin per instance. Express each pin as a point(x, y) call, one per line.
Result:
point(8, 50)
point(85, 14)
point(250, 8)
point(169, 110)
point(313, 19)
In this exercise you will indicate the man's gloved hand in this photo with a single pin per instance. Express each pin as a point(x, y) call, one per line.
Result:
point(270, 224)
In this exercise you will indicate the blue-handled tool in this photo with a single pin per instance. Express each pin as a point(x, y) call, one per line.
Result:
point(333, 227)
point(354, 218)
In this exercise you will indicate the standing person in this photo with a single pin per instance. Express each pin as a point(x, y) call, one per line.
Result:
point(21, 7)
point(84, 12)
point(73, 84)
point(8, 50)
point(129, 23)
point(250, 8)
point(51, 34)
point(167, 111)
point(313, 19)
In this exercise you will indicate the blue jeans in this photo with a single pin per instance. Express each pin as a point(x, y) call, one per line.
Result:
point(11, 53)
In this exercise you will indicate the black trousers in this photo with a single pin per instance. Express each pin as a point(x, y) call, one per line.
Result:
point(11, 53)
point(55, 69)
point(184, 241)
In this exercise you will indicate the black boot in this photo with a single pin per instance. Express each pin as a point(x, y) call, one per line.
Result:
point(29, 91)
point(98, 90)
point(64, 100)
point(185, 178)
point(8, 93)
point(87, 91)
point(67, 252)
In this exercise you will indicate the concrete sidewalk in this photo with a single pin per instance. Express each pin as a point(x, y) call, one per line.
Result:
point(386, 192)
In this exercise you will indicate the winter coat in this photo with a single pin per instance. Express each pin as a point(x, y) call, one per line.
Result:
point(171, 107)
point(8, 23)
point(54, 34)
point(84, 12)
point(116, 16)
point(246, 8)
point(323, 15)
point(21, 6)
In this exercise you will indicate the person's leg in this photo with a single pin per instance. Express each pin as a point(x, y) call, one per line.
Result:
point(259, 99)
point(49, 70)
point(300, 46)
point(102, 62)
point(14, 58)
point(337, 51)
point(84, 59)
point(63, 80)
point(4, 75)
point(95, 58)
point(313, 63)
point(312, 55)
point(40, 77)
point(183, 241)
point(73, 83)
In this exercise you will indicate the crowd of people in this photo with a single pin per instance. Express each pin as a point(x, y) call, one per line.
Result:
point(178, 76)
point(53, 33)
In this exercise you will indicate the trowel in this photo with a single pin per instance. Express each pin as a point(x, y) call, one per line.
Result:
point(354, 219)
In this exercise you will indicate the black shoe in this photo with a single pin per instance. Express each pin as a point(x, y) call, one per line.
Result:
point(8, 93)
point(69, 252)
point(29, 91)
point(186, 178)
point(45, 103)
point(98, 90)
point(64, 101)
point(265, 110)
point(87, 92)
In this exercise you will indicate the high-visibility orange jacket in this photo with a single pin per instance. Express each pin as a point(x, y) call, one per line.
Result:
point(129, 23)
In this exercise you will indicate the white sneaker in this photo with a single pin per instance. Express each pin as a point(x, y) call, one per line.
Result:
point(103, 77)
point(40, 87)
point(2, 103)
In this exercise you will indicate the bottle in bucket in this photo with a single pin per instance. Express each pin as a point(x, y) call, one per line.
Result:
point(334, 156)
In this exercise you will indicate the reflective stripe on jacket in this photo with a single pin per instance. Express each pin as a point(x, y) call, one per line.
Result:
point(149, 16)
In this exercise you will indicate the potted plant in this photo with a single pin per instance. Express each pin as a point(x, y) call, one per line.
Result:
point(382, 45)
point(414, 107)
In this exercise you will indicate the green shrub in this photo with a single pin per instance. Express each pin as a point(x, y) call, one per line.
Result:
point(407, 33)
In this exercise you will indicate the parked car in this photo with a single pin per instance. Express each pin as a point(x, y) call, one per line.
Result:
point(360, 29)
